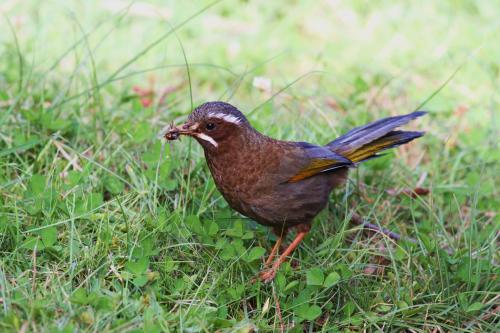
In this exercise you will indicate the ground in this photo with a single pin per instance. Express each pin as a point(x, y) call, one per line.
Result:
point(105, 228)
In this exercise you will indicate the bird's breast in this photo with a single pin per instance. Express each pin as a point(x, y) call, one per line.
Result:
point(238, 174)
point(244, 174)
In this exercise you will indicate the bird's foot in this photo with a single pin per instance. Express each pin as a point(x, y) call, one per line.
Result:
point(267, 275)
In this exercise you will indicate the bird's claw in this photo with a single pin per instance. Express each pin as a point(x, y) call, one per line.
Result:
point(267, 275)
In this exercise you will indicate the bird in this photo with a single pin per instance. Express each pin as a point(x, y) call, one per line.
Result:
point(282, 184)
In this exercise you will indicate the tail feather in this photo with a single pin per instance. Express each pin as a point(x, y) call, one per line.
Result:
point(365, 142)
point(390, 140)
point(360, 136)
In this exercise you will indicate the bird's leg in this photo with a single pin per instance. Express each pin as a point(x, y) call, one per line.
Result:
point(268, 274)
point(275, 250)
point(281, 233)
point(284, 257)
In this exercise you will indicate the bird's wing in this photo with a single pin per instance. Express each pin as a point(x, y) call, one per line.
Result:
point(315, 160)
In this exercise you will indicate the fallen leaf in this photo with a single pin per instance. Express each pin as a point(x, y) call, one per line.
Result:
point(416, 192)
point(145, 95)
point(262, 83)
point(370, 269)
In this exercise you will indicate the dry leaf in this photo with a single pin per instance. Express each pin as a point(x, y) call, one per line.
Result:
point(416, 192)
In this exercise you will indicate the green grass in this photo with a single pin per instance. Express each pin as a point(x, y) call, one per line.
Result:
point(104, 229)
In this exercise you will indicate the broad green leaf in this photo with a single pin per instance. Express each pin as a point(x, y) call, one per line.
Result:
point(148, 248)
point(428, 242)
point(103, 303)
point(79, 296)
point(94, 201)
point(74, 177)
point(74, 246)
point(255, 253)
point(137, 267)
point(291, 285)
point(113, 185)
point(402, 305)
point(349, 308)
point(239, 247)
point(37, 184)
point(49, 236)
point(356, 320)
point(248, 235)
point(211, 228)
point(312, 313)
point(228, 252)
point(140, 281)
point(344, 270)
point(466, 270)
point(194, 223)
point(152, 327)
point(332, 279)
point(476, 306)
point(236, 230)
point(169, 184)
point(315, 277)
point(221, 243)
point(30, 243)
point(308, 312)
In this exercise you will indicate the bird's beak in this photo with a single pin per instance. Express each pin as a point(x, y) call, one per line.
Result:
point(191, 129)
point(172, 133)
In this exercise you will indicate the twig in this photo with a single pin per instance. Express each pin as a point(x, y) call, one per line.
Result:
point(421, 180)
point(6, 103)
point(278, 311)
point(113, 269)
point(391, 234)
point(24, 327)
point(72, 160)
point(33, 282)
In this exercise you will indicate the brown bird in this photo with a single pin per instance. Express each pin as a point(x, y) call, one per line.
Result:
point(282, 184)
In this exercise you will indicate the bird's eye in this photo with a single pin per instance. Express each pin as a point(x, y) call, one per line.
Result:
point(210, 126)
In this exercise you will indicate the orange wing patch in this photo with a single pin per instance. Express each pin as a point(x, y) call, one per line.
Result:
point(316, 166)
point(372, 148)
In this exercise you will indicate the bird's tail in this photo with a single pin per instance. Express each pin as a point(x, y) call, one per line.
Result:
point(365, 142)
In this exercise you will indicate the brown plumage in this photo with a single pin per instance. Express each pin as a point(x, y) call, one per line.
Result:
point(281, 184)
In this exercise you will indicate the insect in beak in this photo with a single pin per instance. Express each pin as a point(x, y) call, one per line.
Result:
point(172, 132)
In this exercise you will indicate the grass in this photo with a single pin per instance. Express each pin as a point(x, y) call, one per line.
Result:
point(103, 228)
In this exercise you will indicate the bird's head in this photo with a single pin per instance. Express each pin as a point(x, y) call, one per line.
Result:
point(211, 124)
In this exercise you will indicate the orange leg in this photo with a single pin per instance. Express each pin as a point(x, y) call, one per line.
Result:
point(275, 250)
point(268, 274)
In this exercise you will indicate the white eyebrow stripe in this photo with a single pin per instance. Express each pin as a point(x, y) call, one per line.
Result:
point(227, 117)
point(207, 138)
